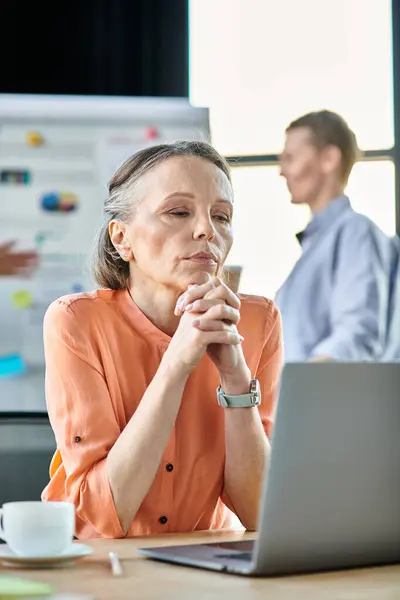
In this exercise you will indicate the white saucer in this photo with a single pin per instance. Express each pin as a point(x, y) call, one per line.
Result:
point(73, 553)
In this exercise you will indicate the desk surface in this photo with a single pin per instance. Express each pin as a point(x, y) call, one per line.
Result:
point(147, 579)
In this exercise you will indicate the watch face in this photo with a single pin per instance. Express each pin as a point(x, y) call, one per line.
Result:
point(254, 386)
point(255, 392)
point(221, 398)
point(222, 401)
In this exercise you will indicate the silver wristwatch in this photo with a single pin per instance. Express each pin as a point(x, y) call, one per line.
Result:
point(253, 398)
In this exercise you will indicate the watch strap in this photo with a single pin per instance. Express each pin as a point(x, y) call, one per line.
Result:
point(252, 398)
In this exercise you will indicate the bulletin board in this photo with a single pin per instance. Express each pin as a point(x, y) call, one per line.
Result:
point(57, 154)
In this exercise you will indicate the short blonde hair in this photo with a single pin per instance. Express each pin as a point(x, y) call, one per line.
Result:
point(109, 270)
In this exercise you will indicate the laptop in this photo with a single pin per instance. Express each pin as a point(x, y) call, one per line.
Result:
point(331, 494)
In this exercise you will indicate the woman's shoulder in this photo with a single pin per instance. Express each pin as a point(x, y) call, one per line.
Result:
point(259, 307)
point(261, 324)
point(79, 308)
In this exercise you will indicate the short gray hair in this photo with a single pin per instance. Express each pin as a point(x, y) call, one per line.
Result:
point(109, 270)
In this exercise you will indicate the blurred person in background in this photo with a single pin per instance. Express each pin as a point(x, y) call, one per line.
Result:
point(334, 304)
point(15, 262)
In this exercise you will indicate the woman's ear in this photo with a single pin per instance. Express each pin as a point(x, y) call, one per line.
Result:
point(117, 231)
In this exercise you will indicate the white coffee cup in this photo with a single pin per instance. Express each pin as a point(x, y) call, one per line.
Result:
point(37, 528)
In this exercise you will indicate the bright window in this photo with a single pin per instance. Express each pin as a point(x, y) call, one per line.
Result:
point(258, 64)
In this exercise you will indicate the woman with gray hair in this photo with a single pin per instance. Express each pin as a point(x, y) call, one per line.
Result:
point(161, 385)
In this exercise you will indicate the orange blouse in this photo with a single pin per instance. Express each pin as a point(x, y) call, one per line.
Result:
point(101, 354)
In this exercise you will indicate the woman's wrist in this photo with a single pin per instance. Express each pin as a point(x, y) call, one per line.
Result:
point(235, 384)
point(173, 369)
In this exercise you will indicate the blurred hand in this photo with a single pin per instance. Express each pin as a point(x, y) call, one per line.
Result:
point(216, 308)
point(16, 263)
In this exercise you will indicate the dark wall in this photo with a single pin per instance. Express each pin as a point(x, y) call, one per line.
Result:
point(111, 47)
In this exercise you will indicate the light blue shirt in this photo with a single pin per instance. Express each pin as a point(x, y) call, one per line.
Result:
point(335, 301)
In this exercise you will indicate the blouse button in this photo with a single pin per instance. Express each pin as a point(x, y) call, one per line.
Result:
point(163, 520)
point(78, 439)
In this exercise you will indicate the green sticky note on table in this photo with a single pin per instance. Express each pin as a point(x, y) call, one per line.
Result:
point(16, 587)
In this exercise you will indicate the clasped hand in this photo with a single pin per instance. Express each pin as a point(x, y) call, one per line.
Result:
point(210, 314)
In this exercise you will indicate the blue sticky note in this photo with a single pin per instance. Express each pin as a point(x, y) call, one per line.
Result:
point(12, 365)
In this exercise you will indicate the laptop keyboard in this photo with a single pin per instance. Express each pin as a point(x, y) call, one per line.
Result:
point(240, 546)
point(241, 550)
point(246, 556)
